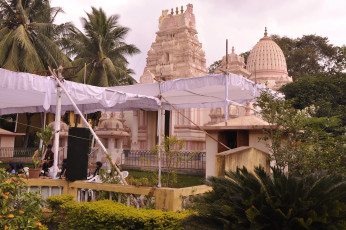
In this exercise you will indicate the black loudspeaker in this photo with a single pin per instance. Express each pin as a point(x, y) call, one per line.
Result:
point(77, 154)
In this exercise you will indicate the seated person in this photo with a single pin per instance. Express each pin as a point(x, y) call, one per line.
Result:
point(44, 172)
point(10, 169)
point(49, 157)
point(98, 169)
point(89, 170)
point(63, 169)
point(20, 170)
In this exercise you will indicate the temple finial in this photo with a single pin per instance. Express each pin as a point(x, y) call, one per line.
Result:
point(265, 32)
point(172, 12)
point(182, 9)
point(176, 10)
point(232, 49)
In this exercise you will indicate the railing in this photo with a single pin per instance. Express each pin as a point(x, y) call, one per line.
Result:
point(16, 152)
point(16, 155)
point(170, 199)
point(149, 159)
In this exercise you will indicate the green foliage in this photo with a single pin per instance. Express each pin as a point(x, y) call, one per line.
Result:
point(111, 215)
point(19, 209)
point(244, 200)
point(36, 159)
point(46, 135)
point(29, 41)
point(312, 55)
point(55, 202)
point(216, 65)
point(245, 55)
point(102, 49)
point(326, 93)
point(300, 141)
point(171, 150)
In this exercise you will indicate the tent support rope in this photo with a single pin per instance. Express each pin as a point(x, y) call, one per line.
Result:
point(195, 124)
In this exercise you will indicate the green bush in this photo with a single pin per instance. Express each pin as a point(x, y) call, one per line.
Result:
point(108, 214)
point(244, 200)
point(54, 202)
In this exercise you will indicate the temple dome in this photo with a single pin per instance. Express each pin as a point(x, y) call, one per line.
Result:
point(111, 126)
point(236, 65)
point(267, 63)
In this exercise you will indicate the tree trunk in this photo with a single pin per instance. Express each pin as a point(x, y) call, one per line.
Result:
point(27, 130)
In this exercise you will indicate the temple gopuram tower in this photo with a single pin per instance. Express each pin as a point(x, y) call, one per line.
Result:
point(176, 52)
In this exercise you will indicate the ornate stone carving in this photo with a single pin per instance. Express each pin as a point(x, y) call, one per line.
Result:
point(235, 65)
point(267, 64)
point(176, 52)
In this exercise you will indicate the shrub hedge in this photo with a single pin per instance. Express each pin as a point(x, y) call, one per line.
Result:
point(54, 202)
point(107, 214)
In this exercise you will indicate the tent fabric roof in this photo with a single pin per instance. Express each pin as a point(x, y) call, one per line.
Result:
point(25, 92)
point(199, 92)
point(243, 122)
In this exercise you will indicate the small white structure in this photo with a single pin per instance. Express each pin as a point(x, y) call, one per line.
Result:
point(7, 142)
point(7, 138)
point(112, 133)
point(238, 132)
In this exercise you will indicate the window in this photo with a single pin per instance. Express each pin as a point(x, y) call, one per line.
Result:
point(105, 143)
point(166, 57)
point(115, 143)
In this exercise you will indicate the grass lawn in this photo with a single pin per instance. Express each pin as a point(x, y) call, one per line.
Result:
point(183, 180)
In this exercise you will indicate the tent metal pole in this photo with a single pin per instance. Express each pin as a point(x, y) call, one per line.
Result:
point(44, 127)
point(206, 133)
point(226, 99)
point(226, 87)
point(57, 131)
point(16, 124)
point(91, 130)
point(159, 124)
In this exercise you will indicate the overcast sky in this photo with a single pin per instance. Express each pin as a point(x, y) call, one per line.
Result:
point(242, 22)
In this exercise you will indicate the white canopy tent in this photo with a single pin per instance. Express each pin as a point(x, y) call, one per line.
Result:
point(24, 92)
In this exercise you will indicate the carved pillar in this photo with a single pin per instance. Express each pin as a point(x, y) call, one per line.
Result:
point(134, 143)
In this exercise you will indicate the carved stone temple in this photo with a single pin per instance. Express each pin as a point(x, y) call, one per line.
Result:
point(177, 53)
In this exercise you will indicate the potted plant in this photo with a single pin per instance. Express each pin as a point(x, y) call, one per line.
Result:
point(46, 135)
point(36, 159)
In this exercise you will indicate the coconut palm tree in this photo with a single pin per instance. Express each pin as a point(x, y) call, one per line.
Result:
point(243, 200)
point(101, 50)
point(29, 37)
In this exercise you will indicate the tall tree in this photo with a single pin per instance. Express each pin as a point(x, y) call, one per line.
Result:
point(325, 92)
point(301, 141)
point(28, 35)
point(216, 65)
point(102, 49)
point(29, 39)
point(312, 55)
